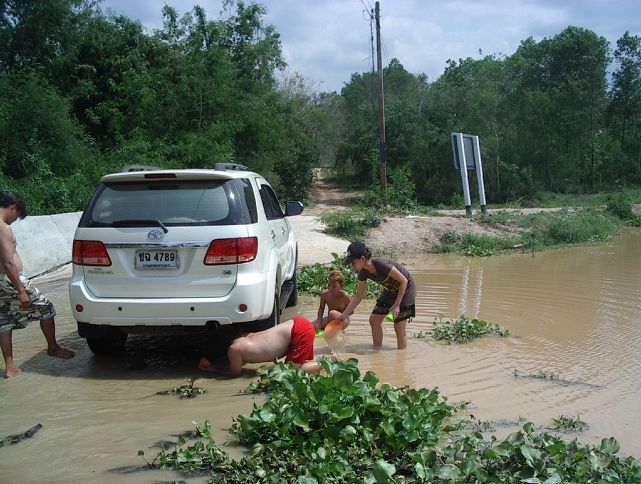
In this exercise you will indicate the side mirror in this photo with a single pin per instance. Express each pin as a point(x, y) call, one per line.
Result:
point(293, 208)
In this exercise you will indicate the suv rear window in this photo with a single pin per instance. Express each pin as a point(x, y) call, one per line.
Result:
point(211, 202)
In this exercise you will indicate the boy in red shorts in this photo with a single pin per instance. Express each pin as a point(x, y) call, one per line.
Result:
point(293, 339)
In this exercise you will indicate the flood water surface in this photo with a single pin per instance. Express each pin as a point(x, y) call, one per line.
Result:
point(572, 313)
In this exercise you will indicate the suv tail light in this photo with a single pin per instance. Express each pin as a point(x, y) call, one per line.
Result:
point(90, 253)
point(231, 251)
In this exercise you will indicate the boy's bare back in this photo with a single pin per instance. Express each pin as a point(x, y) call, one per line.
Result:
point(264, 346)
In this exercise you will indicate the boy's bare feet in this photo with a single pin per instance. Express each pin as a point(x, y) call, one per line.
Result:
point(11, 372)
point(60, 352)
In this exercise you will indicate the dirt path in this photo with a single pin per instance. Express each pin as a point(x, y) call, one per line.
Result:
point(327, 196)
point(396, 236)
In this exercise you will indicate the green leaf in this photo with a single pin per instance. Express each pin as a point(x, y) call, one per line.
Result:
point(342, 411)
point(447, 472)
point(610, 445)
point(383, 471)
point(342, 378)
point(531, 454)
point(348, 432)
point(266, 415)
point(388, 428)
point(301, 421)
point(371, 379)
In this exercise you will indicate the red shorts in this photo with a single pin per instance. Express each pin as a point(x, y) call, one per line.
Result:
point(301, 346)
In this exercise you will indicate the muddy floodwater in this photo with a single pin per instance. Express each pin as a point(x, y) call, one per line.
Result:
point(574, 313)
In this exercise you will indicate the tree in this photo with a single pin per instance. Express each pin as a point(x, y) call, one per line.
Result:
point(34, 33)
point(625, 104)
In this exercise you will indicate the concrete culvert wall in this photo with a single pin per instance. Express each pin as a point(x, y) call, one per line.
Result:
point(45, 241)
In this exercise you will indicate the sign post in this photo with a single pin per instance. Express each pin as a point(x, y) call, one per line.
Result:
point(467, 156)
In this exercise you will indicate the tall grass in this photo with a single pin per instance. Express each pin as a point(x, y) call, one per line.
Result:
point(540, 231)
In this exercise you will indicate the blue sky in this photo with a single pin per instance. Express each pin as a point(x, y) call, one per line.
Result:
point(326, 41)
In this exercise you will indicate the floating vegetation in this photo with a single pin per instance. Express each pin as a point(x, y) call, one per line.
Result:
point(490, 426)
point(564, 423)
point(541, 375)
point(463, 330)
point(185, 391)
point(14, 439)
point(552, 377)
point(345, 427)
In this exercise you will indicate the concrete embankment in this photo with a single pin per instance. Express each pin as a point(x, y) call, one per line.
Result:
point(44, 241)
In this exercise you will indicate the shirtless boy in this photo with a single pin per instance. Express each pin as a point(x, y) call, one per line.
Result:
point(20, 301)
point(293, 339)
point(336, 301)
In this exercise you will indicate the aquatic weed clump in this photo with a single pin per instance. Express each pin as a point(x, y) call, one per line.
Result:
point(342, 427)
point(464, 330)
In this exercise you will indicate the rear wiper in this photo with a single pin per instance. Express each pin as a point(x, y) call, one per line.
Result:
point(139, 222)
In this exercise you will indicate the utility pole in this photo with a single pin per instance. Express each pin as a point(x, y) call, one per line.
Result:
point(381, 104)
point(371, 36)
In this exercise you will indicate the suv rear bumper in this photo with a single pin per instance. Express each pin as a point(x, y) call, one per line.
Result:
point(216, 311)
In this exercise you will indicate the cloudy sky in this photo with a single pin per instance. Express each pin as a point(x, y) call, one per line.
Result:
point(327, 40)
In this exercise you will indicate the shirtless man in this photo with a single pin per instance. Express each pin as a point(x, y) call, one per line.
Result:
point(20, 301)
point(336, 301)
point(293, 339)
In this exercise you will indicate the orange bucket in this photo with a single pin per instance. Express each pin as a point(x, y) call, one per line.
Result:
point(332, 329)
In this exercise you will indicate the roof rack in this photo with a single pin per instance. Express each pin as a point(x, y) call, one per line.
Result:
point(230, 166)
point(129, 168)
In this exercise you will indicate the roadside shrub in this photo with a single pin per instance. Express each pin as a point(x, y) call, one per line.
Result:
point(586, 226)
point(351, 223)
point(473, 244)
point(620, 206)
point(400, 194)
point(449, 242)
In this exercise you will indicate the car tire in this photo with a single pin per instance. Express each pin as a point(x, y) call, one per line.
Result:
point(293, 297)
point(109, 343)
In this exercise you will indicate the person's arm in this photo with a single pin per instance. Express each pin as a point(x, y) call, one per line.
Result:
point(9, 266)
point(358, 297)
point(321, 310)
point(395, 274)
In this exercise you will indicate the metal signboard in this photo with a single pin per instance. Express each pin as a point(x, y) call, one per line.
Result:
point(468, 151)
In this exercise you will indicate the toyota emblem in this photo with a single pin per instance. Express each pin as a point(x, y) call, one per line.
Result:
point(155, 234)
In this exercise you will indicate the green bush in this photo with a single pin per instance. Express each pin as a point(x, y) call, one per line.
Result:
point(473, 244)
point(351, 223)
point(619, 206)
point(586, 226)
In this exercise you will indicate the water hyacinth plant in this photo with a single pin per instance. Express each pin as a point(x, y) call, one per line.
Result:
point(464, 330)
point(344, 427)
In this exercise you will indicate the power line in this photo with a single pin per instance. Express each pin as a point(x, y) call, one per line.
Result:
point(368, 7)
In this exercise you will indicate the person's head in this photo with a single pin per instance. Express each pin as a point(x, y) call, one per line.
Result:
point(357, 254)
point(13, 201)
point(335, 280)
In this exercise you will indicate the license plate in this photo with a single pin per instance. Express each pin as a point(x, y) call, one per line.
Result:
point(156, 259)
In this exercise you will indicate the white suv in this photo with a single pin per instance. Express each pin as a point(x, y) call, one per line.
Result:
point(162, 251)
